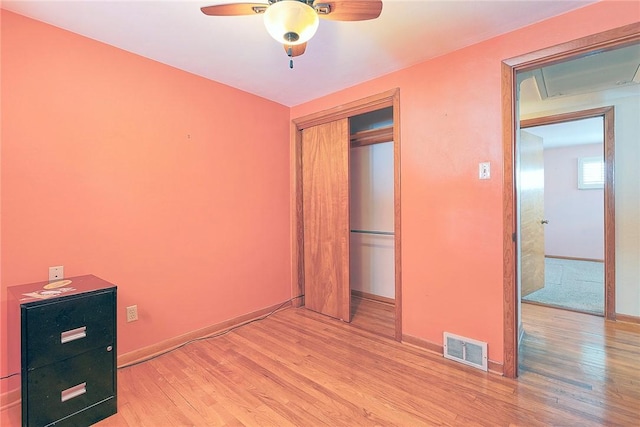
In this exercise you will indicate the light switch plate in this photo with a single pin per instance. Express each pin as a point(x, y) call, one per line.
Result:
point(484, 170)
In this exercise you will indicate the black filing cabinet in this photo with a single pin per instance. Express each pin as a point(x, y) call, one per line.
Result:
point(68, 351)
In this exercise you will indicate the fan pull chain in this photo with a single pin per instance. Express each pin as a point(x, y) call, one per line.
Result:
point(291, 37)
point(290, 54)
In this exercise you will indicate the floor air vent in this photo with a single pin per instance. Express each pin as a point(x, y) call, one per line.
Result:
point(465, 350)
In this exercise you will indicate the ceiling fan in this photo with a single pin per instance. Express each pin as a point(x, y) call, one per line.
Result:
point(294, 22)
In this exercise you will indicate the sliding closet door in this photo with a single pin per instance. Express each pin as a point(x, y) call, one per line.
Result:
point(325, 183)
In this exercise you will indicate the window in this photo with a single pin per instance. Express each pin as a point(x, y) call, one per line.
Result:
point(590, 173)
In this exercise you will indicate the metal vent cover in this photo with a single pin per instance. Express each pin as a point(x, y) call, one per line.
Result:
point(465, 350)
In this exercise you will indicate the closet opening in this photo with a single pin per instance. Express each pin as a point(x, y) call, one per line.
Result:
point(371, 218)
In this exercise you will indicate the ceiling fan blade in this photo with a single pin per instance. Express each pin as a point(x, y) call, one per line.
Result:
point(234, 9)
point(348, 10)
point(296, 50)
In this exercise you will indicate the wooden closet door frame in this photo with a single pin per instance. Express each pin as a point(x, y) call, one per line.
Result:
point(607, 40)
point(386, 99)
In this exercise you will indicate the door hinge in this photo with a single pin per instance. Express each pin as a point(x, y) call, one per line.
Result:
point(513, 237)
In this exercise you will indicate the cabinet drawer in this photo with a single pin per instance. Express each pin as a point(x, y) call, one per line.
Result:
point(67, 387)
point(57, 330)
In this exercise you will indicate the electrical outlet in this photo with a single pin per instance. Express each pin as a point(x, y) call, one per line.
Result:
point(56, 273)
point(132, 313)
point(484, 170)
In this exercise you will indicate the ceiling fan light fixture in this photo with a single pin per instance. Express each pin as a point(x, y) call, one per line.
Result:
point(291, 21)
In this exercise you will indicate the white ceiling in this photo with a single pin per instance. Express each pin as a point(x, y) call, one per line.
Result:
point(577, 132)
point(605, 74)
point(238, 51)
point(600, 70)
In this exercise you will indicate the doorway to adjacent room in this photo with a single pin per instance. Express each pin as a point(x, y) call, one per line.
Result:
point(619, 93)
point(562, 211)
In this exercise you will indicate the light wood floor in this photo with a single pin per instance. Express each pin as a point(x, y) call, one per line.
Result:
point(299, 368)
point(373, 316)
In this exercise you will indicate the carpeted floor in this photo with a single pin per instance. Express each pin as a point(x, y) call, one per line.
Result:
point(578, 285)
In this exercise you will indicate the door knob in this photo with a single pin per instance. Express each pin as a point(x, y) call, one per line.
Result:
point(544, 221)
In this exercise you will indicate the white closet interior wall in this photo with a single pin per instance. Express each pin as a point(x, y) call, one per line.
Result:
point(372, 262)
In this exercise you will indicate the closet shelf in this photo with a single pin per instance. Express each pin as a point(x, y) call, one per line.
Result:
point(372, 136)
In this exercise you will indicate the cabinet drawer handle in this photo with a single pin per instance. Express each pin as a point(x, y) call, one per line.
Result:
point(73, 334)
point(72, 392)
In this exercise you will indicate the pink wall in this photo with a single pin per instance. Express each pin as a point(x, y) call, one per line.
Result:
point(450, 113)
point(576, 217)
point(173, 187)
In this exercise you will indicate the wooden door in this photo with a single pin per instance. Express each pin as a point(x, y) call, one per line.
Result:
point(325, 204)
point(531, 213)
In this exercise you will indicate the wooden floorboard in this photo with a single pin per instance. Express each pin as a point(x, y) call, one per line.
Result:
point(374, 316)
point(592, 366)
point(300, 368)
